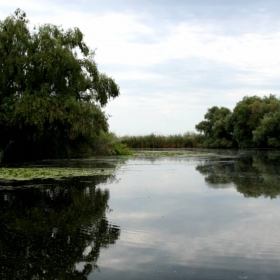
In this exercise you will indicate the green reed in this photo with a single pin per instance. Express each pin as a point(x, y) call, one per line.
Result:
point(154, 141)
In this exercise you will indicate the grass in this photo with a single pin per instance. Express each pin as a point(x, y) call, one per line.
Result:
point(151, 141)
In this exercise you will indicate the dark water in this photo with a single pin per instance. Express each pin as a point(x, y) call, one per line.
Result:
point(200, 217)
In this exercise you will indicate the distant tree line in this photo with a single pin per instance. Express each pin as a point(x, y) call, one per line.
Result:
point(253, 123)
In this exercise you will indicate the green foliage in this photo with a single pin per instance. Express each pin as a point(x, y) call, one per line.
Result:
point(109, 144)
point(153, 141)
point(51, 92)
point(215, 128)
point(121, 149)
point(268, 131)
point(246, 116)
point(249, 118)
point(254, 122)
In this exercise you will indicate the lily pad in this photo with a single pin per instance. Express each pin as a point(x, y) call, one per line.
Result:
point(29, 173)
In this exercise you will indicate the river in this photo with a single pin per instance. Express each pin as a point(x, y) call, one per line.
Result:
point(208, 216)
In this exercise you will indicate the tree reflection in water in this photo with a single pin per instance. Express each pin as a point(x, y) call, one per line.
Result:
point(55, 230)
point(254, 175)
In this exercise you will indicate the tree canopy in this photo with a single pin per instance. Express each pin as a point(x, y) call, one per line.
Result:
point(51, 91)
point(254, 122)
point(215, 127)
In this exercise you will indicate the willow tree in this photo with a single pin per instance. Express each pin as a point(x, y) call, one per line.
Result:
point(215, 128)
point(255, 122)
point(51, 92)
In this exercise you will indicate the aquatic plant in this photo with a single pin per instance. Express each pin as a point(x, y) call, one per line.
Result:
point(168, 153)
point(44, 173)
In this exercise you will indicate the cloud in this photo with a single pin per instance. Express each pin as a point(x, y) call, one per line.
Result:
point(194, 53)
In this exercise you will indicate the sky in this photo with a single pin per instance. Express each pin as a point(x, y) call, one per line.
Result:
point(172, 59)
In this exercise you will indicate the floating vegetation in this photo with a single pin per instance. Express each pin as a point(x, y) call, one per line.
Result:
point(168, 153)
point(46, 173)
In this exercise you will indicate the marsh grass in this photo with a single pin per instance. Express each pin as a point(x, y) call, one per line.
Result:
point(153, 141)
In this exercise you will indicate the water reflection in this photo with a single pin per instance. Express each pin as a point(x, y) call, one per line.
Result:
point(253, 174)
point(175, 227)
point(55, 230)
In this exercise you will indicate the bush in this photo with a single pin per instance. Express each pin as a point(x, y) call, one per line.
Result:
point(107, 143)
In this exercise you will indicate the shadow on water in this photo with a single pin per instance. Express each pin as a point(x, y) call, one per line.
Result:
point(56, 230)
point(254, 174)
point(108, 163)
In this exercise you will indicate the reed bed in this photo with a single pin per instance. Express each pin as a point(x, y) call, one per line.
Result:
point(154, 141)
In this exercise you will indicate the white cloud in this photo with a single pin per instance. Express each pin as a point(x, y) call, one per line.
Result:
point(140, 75)
point(131, 47)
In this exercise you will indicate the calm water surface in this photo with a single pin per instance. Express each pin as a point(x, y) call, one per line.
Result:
point(200, 217)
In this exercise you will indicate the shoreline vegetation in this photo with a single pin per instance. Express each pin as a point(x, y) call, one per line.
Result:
point(52, 93)
point(154, 141)
point(253, 123)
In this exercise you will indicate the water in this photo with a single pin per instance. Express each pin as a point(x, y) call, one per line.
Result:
point(199, 217)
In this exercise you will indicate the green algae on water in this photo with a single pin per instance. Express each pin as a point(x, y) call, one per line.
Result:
point(47, 173)
point(168, 153)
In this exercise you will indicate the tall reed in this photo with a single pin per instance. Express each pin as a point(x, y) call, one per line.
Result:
point(154, 141)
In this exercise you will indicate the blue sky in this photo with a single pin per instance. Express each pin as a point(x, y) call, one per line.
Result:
point(172, 59)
